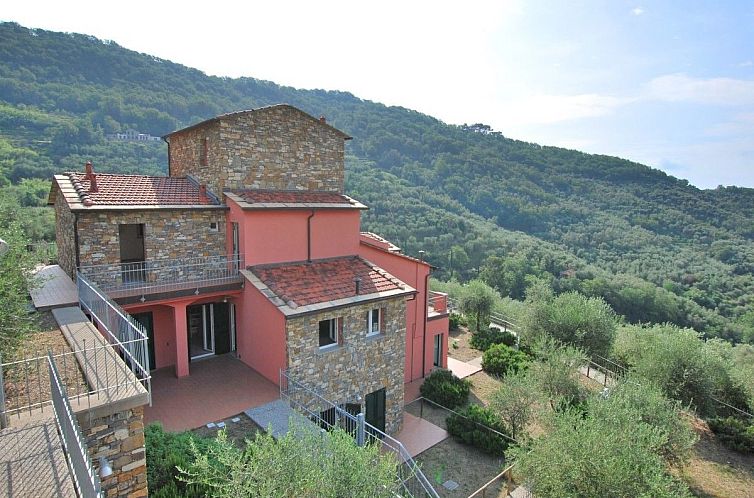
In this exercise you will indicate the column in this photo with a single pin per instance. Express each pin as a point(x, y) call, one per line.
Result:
point(181, 340)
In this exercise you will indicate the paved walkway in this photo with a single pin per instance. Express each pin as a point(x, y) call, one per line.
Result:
point(55, 290)
point(275, 417)
point(464, 369)
point(217, 388)
point(32, 462)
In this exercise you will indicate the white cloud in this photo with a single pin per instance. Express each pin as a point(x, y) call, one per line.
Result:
point(637, 11)
point(547, 109)
point(682, 88)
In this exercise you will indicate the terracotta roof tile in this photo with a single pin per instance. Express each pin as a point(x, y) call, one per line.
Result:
point(137, 190)
point(291, 197)
point(325, 280)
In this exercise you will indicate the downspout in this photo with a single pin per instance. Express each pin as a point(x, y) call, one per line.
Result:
point(424, 335)
point(309, 237)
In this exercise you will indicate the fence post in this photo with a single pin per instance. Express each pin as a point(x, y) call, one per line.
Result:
point(3, 419)
point(360, 435)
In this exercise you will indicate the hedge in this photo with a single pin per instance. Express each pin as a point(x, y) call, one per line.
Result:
point(501, 359)
point(445, 389)
point(470, 426)
point(485, 339)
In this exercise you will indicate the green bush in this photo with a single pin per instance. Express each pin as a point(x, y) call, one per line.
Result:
point(470, 427)
point(444, 388)
point(165, 452)
point(487, 338)
point(501, 359)
point(455, 320)
point(734, 433)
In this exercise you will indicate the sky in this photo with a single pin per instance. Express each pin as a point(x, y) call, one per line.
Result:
point(669, 84)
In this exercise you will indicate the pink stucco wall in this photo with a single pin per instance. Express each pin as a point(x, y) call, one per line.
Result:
point(419, 346)
point(260, 332)
point(273, 236)
point(164, 332)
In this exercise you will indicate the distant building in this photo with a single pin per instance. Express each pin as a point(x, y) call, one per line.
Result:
point(133, 136)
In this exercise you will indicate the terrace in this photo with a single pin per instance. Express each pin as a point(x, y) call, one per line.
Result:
point(165, 278)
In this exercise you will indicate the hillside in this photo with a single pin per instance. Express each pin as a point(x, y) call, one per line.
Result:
point(657, 248)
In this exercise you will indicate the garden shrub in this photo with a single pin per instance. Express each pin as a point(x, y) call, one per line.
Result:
point(470, 427)
point(165, 451)
point(444, 388)
point(455, 320)
point(487, 338)
point(734, 433)
point(501, 359)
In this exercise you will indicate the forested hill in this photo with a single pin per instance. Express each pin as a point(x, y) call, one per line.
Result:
point(657, 248)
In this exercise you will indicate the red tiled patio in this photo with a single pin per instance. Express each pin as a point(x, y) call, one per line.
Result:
point(216, 389)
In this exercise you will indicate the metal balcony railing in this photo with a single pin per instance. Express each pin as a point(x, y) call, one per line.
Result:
point(164, 275)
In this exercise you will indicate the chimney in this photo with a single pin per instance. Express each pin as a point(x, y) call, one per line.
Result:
point(93, 184)
point(323, 120)
point(89, 170)
point(357, 281)
point(202, 192)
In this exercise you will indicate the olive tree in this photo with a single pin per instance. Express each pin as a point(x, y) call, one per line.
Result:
point(476, 302)
point(515, 402)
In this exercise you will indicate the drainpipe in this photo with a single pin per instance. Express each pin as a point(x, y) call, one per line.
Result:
point(424, 335)
point(167, 142)
point(309, 237)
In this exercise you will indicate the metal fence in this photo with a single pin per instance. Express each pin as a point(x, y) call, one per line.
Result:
point(85, 478)
point(327, 414)
point(164, 275)
point(121, 330)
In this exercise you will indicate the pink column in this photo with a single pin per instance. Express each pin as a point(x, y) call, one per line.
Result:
point(181, 340)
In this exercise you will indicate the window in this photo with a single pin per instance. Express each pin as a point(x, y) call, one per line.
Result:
point(213, 226)
point(373, 322)
point(328, 332)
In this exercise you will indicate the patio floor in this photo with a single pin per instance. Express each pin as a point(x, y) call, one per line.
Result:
point(419, 435)
point(463, 369)
point(217, 388)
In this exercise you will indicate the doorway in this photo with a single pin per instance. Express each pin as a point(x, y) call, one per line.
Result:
point(436, 355)
point(211, 329)
point(375, 410)
point(131, 237)
point(146, 320)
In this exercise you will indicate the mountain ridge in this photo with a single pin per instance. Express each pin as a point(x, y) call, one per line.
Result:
point(61, 95)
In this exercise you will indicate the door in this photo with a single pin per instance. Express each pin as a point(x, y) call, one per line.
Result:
point(131, 238)
point(375, 409)
point(199, 320)
point(146, 320)
point(436, 359)
point(221, 319)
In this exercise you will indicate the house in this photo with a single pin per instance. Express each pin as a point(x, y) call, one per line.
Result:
point(250, 246)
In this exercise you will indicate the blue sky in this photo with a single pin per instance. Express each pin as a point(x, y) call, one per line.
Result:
point(668, 84)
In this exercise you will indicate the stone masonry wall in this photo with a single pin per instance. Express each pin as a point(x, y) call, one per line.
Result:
point(168, 234)
point(64, 235)
point(278, 147)
point(336, 372)
point(119, 438)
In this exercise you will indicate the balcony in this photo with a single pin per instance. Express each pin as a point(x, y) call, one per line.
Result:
point(160, 279)
point(437, 304)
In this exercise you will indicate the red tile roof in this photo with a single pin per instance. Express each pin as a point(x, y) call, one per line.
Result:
point(137, 190)
point(325, 280)
point(291, 197)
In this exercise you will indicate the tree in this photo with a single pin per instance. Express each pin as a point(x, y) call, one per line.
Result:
point(304, 462)
point(586, 457)
point(16, 265)
point(514, 402)
point(555, 374)
point(571, 318)
point(476, 301)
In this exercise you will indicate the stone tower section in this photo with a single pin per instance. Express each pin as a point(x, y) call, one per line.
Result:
point(274, 148)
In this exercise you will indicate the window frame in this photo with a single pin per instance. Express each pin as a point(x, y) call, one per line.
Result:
point(334, 333)
point(370, 314)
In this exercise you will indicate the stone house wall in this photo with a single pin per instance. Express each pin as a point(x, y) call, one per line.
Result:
point(360, 365)
point(64, 235)
point(119, 437)
point(278, 147)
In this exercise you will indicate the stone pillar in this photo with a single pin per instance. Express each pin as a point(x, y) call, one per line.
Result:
point(119, 438)
point(181, 340)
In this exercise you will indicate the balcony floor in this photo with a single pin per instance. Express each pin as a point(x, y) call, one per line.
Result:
point(217, 388)
point(55, 289)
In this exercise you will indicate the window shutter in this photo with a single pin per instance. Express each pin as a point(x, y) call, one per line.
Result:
point(383, 320)
point(339, 323)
